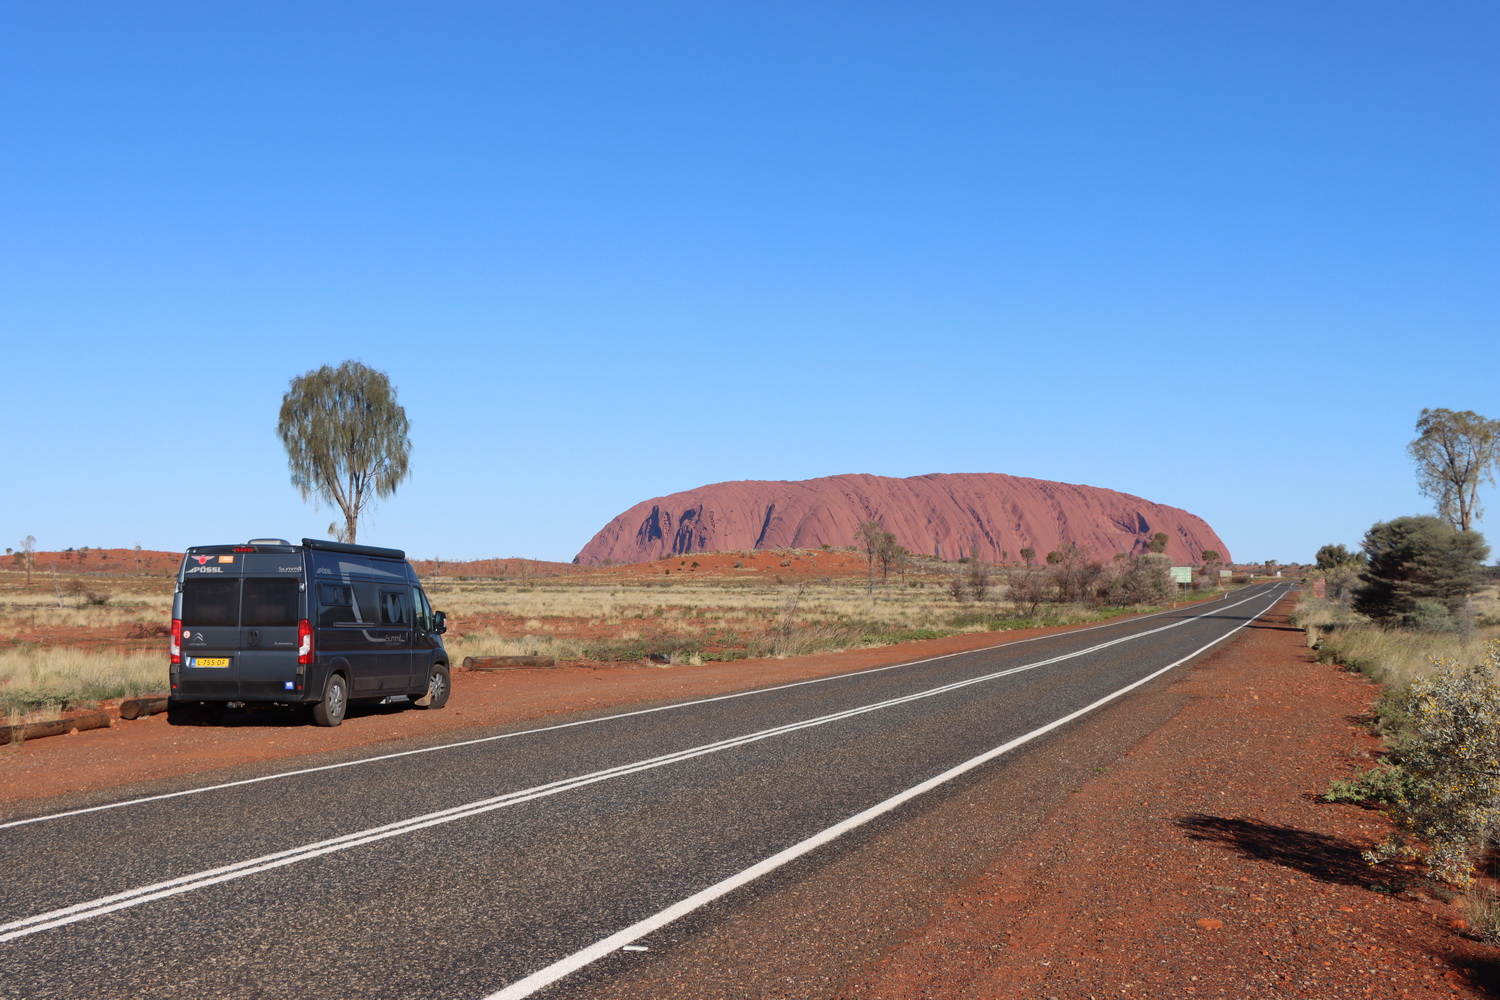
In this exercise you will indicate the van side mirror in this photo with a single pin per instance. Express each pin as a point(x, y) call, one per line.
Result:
point(439, 622)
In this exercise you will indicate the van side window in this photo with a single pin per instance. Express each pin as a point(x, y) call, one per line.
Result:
point(269, 602)
point(337, 604)
point(366, 604)
point(393, 608)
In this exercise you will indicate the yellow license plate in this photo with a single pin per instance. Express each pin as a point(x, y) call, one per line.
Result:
point(210, 661)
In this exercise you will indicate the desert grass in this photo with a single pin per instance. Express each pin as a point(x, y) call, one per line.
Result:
point(683, 618)
point(33, 678)
point(1394, 657)
point(893, 605)
point(1319, 616)
point(1482, 914)
point(688, 620)
point(80, 602)
point(489, 643)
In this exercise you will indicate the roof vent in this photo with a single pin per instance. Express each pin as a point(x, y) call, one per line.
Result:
point(268, 541)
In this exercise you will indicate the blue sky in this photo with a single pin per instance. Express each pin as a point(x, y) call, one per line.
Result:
point(1217, 255)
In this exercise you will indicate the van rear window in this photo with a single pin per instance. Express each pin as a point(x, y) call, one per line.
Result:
point(207, 602)
point(264, 602)
point(268, 602)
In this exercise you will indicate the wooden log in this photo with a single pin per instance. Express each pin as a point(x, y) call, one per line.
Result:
point(507, 662)
point(137, 708)
point(53, 727)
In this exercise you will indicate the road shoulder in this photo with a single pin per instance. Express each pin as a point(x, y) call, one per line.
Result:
point(1168, 845)
point(1203, 864)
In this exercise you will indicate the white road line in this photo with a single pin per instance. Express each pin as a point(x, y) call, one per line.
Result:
point(567, 725)
point(615, 942)
point(240, 869)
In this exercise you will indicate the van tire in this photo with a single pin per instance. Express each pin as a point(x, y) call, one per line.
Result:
point(439, 686)
point(330, 711)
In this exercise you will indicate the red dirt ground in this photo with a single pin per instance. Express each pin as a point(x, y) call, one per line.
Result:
point(1203, 864)
point(791, 564)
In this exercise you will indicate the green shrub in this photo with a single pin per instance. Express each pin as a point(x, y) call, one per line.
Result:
point(1446, 805)
point(1416, 558)
point(1428, 615)
point(1381, 785)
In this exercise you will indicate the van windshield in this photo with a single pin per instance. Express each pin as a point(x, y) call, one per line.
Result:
point(261, 602)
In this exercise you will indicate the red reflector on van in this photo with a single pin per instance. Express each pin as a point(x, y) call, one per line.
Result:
point(304, 642)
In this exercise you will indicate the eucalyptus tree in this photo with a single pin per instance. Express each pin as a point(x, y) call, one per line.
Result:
point(1454, 453)
point(27, 556)
point(346, 439)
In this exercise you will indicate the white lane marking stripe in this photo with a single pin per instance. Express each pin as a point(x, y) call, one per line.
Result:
point(581, 722)
point(240, 869)
point(566, 966)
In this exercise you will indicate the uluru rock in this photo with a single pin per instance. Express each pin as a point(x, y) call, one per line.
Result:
point(944, 515)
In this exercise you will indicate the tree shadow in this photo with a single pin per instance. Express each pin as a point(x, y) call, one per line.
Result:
point(1333, 860)
point(1482, 972)
point(1325, 858)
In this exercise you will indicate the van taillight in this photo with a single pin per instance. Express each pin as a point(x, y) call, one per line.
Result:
point(176, 646)
point(244, 548)
point(304, 643)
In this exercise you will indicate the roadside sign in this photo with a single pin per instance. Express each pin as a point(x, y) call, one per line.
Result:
point(1182, 574)
point(1320, 587)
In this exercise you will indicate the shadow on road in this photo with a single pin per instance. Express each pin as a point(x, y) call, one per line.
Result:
point(1273, 627)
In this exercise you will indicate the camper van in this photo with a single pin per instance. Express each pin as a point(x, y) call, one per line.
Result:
point(321, 624)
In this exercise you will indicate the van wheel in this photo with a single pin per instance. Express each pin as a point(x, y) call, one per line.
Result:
point(330, 711)
point(438, 687)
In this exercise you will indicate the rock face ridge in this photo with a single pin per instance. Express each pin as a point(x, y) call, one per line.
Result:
point(944, 515)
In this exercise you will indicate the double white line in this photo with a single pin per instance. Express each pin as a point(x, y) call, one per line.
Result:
point(570, 964)
point(213, 876)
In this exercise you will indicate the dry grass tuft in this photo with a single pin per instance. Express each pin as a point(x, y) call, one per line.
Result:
point(1393, 657)
point(35, 678)
point(1482, 914)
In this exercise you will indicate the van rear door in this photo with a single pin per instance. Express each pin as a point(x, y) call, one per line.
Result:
point(268, 637)
point(210, 637)
point(239, 625)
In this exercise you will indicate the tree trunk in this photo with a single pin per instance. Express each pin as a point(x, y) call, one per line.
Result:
point(139, 708)
point(53, 727)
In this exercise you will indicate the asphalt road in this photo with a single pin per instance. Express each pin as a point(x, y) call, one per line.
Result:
point(536, 862)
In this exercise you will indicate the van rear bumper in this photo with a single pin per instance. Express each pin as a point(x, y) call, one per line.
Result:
point(190, 686)
point(251, 675)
